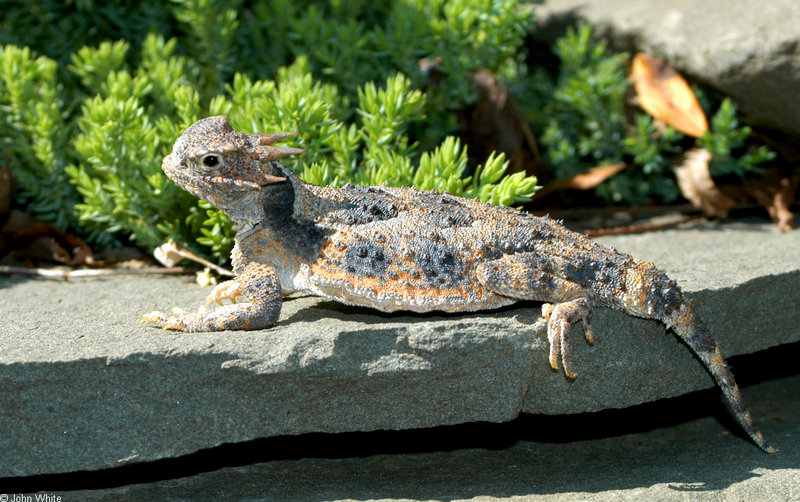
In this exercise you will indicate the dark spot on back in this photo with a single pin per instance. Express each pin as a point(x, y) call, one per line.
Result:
point(366, 259)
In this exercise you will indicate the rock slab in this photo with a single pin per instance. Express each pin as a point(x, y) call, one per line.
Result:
point(84, 386)
point(747, 50)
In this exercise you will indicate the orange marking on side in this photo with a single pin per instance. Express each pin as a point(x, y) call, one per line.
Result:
point(405, 288)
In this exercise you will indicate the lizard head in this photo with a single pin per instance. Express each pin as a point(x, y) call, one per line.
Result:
point(218, 164)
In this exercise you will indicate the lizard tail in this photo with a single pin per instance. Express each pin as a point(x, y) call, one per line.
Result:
point(692, 331)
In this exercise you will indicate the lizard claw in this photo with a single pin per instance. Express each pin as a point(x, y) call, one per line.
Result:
point(587, 331)
point(228, 290)
point(155, 317)
point(174, 322)
point(559, 319)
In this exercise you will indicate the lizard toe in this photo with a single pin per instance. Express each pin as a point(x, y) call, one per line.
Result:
point(155, 317)
point(228, 290)
point(174, 324)
point(565, 355)
point(555, 347)
point(587, 331)
point(560, 318)
point(558, 336)
point(175, 321)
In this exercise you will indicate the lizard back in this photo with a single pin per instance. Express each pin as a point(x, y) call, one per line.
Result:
point(404, 249)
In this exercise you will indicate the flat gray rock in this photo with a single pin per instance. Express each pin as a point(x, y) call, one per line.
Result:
point(747, 50)
point(84, 386)
point(633, 457)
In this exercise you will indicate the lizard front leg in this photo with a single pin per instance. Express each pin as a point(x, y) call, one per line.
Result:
point(518, 276)
point(258, 282)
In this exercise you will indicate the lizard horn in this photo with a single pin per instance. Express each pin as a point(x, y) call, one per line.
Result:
point(267, 152)
point(267, 179)
point(269, 139)
point(276, 152)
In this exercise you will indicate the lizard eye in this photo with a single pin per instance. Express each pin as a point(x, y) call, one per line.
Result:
point(211, 160)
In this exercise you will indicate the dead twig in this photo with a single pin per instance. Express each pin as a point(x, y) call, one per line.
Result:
point(171, 253)
point(64, 274)
point(644, 227)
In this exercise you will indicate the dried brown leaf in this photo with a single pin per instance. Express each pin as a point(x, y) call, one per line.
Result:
point(776, 194)
point(495, 122)
point(592, 177)
point(665, 95)
point(6, 189)
point(25, 239)
point(582, 181)
point(694, 180)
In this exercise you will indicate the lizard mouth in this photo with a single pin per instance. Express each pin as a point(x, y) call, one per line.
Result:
point(237, 182)
point(201, 186)
point(254, 181)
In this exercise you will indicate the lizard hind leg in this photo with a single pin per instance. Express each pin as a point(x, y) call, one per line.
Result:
point(517, 276)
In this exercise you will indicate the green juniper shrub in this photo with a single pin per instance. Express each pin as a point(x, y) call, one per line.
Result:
point(725, 140)
point(87, 123)
point(583, 124)
point(34, 136)
point(96, 122)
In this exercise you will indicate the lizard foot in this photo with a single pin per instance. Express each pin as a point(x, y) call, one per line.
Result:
point(228, 290)
point(559, 319)
point(177, 321)
point(233, 316)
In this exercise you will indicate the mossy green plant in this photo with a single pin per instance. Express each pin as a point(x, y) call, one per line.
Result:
point(34, 135)
point(585, 123)
point(113, 107)
point(86, 123)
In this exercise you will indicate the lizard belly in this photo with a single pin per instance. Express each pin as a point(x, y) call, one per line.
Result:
point(398, 293)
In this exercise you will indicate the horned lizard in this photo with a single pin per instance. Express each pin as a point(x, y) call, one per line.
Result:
point(405, 249)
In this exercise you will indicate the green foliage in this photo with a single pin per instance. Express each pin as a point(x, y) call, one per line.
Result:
point(57, 29)
point(583, 124)
point(725, 138)
point(585, 117)
point(346, 43)
point(86, 124)
point(651, 151)
point(444, 169)
point(95, 116)
point(217, 232)
point(33, 134)
point(124, 132)
point(211, 27)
